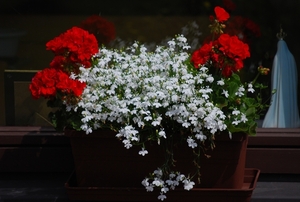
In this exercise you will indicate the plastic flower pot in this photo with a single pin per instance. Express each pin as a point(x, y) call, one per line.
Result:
point(103, 161)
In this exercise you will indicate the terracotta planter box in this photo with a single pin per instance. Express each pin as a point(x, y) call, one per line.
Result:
point(244, 194)
point(102, 161)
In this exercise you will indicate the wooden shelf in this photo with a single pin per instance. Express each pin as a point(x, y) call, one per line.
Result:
point(42, 149)
point(275, 150)
point(34, 149)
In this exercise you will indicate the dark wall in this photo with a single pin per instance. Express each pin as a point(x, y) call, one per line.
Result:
point(269, 14)
point(106, 7)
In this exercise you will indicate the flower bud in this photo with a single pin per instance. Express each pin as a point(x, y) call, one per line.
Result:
point(263, 70)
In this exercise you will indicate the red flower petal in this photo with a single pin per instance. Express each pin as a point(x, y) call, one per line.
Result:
point(221, 14)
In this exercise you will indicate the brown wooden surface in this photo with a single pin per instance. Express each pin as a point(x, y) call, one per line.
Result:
point(270, 137)
point(274, 160)
point(34, 149)
point(38, 136)
point(42, 149)
point(275, 150)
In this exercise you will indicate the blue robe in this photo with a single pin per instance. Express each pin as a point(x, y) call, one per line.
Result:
point(283, 112)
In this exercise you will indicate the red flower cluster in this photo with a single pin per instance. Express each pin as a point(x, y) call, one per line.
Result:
point(225, 53)
point(50, 81)
point(73, 48)
point(232, 47)
point(102, 29)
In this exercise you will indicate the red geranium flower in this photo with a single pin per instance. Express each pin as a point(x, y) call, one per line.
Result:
point(202, 55)
point(232, 47)
point(221, 14)
point(227, 71)
point(58, 62)
point(226, 53)
point(76, 44)
point(50, 81)
point(69, 86)
point(103, 30)
point(43, 84)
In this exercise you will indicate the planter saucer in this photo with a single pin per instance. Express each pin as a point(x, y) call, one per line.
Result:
point(76, 193)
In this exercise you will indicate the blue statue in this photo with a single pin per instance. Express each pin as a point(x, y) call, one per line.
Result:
point(283, 111)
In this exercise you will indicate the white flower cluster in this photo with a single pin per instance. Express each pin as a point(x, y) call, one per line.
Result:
point(134, 87)
point(165, 185)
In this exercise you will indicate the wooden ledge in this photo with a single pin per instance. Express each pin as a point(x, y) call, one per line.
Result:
point(20, 136)
point(289, 137)
point(275, 150)
point(268, 137)
point(33, 149)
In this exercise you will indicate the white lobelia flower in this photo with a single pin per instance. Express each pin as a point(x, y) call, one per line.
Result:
point(221, 82)
point(191, 142)
point(250, 88)
point(236, 122)
point(200, 136)
point(240, 91)
point(143, 152)
point(162, 134)
point(244, 118)
point(158, 172)
point(162, 197)
point(236, 112)
point(164, 189)
point(188, 185)
point(210, 79)
point(225, 93)
point(158, 182)
point(149, 187)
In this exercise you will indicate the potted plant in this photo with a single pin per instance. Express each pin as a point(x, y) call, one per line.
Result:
point(170, 107)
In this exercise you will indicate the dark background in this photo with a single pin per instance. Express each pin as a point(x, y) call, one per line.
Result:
point(146, 21)
point(269, 14)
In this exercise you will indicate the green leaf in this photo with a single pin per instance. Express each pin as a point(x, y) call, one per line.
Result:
point(221, 101)
point(250, 111)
